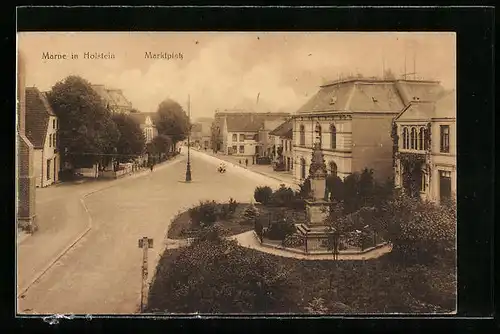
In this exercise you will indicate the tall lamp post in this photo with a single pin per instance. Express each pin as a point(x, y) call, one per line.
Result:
point(188, 166)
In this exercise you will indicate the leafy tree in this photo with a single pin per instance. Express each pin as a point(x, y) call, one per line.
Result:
point(220, 277)
point(283, 196)
point(87, 134)
point(172, 121)
point(160, 144)
point(132, 141)
point(334, 187)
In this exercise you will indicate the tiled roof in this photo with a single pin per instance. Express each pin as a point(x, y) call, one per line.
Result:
point(284, 130)
point(196, 127)
point(250, 122)
point(38, 112)
point(113, 97)
point(444, 107)
point(373, 95)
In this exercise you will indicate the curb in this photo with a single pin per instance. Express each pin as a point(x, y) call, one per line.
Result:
point(81, 235)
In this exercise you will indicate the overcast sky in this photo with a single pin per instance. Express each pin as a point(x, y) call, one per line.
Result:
point(229, 70)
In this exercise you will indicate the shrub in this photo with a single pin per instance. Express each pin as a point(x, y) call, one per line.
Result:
point(204, 214)
point(250, 214)
point(284, 196)
point(263, 194)
point(281, 227)
point(305, 189)
point(221, 277)
point(224, 211)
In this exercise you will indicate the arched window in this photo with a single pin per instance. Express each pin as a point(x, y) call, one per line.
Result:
point(302, 168)
point(413, 139)
point(302, 136)
point(318, 133)
point(333, 137)
point(333, 168)
point(405, 138)
point(421, 138)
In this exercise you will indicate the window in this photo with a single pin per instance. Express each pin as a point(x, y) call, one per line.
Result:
point(54, 140)
point(413, 143)
point(242, 137)
point(50, 140)
point(302, 168)
point(242, 149)
point(333, 168)
point(333, 137)
point(235, 137)
point(406, 138)
point(53, 124)
point(445, 138)
point(48, 169)
point(302, 138)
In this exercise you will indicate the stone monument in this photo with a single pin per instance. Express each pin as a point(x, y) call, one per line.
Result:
point(314, 230)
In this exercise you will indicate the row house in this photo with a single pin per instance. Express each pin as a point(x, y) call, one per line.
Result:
point(241, 133)
point(352, 121)
point(41, 129)
point(115, 101)
point(425, 141)
point(282, 138)
point(204, 133)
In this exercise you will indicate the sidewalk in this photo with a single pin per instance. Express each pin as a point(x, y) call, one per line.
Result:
point(63, 220)
point(266, 170)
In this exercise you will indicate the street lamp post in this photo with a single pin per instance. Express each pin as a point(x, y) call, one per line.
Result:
point(188, 166)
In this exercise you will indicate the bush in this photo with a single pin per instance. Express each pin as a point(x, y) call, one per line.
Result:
point(305, 189)
point(293, 240)
point(221, 277)
point(232, 205)
point(250, 214)
point(206, 213)
point(284, 196)
point(281, 227)
point(263, 195)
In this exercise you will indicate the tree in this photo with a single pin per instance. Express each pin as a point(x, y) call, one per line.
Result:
point(132, 141)
point(389, 75)
point(172, 121)
point(87, 134)
point(160, 144)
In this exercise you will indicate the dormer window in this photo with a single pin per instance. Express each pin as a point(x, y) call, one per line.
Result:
point(333, 100)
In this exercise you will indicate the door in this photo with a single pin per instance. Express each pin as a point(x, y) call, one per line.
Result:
point(56, 177)
point(444, 185)
point(302, 169)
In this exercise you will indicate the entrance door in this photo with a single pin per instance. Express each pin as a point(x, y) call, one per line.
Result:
point(444, 185)
point(302, 169)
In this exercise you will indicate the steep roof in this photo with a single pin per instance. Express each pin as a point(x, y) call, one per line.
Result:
point(38, 112)
point(112, 97)
point(373, 95)
point(285, 130)
point(444, 107)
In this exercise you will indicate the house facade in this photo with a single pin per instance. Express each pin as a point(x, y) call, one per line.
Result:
point(147, 123)
point(425, 142)
point(25, 171)
point(115, 101)
point(352, 121)
point(41, 129)
point(282, 139)
point(237, 132)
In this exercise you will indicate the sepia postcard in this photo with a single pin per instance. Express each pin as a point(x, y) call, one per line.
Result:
point(236, 173)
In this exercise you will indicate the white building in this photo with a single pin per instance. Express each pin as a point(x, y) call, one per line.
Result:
point(41, 130)
point(425, 161)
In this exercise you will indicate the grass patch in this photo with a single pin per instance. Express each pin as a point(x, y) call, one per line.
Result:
point(181, 227)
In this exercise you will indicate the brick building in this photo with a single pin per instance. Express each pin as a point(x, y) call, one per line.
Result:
point(25, 176)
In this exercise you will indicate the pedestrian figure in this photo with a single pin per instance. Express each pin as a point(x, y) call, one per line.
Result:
point(240, 161)
point(246, 162)
point(151, 167)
